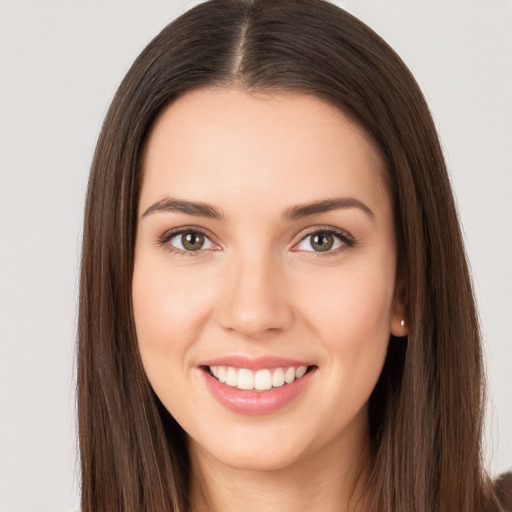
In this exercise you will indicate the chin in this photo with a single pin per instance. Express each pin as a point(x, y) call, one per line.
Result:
point(252, 451)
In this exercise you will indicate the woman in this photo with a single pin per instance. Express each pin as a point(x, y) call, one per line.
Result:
point(275, 305)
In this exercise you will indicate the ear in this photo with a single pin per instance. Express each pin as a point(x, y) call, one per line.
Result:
point(398, 322)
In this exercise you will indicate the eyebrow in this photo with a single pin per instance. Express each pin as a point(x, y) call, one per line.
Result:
point(170, 204)
point(324, 206)
point(293, 213)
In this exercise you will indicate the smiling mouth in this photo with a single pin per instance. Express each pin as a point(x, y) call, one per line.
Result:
point(257, 380)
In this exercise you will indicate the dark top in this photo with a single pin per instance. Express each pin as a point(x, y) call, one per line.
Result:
point(503, 490)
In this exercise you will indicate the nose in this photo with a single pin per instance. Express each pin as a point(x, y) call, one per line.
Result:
point(255, 301)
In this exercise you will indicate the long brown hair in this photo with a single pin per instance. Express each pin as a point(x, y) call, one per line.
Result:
point(426, 410)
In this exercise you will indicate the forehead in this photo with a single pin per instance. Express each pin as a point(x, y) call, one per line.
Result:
point(286, 146)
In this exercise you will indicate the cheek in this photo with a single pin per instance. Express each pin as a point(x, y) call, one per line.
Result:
point(350, 299)
point(169, 311)
point(350, 314)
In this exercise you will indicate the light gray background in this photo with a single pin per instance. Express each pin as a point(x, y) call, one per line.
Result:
point(60, 63)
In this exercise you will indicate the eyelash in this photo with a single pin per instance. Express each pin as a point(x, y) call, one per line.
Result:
point(167, 236)
point(347, 241)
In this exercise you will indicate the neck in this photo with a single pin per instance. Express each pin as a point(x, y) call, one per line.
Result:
point(332, 481)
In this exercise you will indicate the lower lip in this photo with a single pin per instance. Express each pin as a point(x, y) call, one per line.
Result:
point(256, 402)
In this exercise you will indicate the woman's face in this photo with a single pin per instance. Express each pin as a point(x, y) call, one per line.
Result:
point(265, 248)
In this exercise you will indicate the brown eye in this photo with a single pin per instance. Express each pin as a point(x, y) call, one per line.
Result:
point(192, 241)
point(330, 241)
point(189, 241)
point(322, 242)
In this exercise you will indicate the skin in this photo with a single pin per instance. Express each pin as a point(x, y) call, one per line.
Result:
point(258, 287)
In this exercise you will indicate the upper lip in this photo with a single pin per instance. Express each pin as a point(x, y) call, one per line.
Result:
point(254, 363)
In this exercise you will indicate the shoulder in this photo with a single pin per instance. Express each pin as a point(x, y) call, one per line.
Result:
point(502, 493)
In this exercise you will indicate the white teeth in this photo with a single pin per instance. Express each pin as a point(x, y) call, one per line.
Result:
point(245, 379)
point(301, 370)
point(289, 375)
point(231, 376)
point(278, 378)
point(261, 380)
point(222, 373)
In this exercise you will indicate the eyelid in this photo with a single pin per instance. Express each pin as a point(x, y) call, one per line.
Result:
point(164, 239)
point(346, 239)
